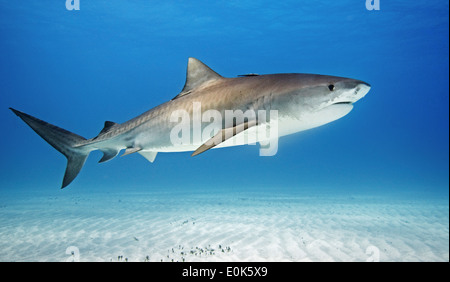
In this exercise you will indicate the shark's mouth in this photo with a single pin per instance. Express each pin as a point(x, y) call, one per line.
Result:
point(343, 103)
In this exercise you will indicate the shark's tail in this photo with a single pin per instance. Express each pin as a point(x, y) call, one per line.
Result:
point(63, 141)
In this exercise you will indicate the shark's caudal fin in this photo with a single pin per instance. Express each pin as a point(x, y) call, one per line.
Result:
point(63, 141)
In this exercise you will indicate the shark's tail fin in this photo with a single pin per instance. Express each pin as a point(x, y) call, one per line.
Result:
point(63, 141)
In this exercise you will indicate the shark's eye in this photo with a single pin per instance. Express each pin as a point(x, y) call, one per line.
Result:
point(331, 87)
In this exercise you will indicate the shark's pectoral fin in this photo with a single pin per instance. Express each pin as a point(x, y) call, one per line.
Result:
point(223, 135)
point(131, 150)
point(108, 154)
point(150, 156)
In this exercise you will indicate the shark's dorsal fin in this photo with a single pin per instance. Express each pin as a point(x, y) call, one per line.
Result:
point(108, 126)
point(197, 73)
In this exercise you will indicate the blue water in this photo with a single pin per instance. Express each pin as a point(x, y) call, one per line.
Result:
point(113, 60)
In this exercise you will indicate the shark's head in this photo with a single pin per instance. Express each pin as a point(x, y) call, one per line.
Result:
point(314, 100)
point(332, 91)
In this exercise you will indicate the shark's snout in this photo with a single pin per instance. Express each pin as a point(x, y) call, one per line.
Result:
point(355, 90)
point(361, 89)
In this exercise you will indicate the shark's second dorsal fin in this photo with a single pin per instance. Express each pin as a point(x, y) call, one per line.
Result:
point(197, 74)
point(108, 126)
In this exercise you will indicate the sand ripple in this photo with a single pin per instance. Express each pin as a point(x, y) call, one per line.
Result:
point(231, 227)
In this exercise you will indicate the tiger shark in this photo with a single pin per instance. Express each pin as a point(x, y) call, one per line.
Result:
point(300, 101)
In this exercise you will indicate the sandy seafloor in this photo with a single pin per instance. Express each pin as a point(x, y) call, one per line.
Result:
point(234, 226)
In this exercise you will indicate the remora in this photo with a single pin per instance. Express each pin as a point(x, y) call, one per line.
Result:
point(303, 101)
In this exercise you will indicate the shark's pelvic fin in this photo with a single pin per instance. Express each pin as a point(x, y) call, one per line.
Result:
point(197, 74)
point(63, 141)
point(131, 151)
point(223, 135)
point(150, 156)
